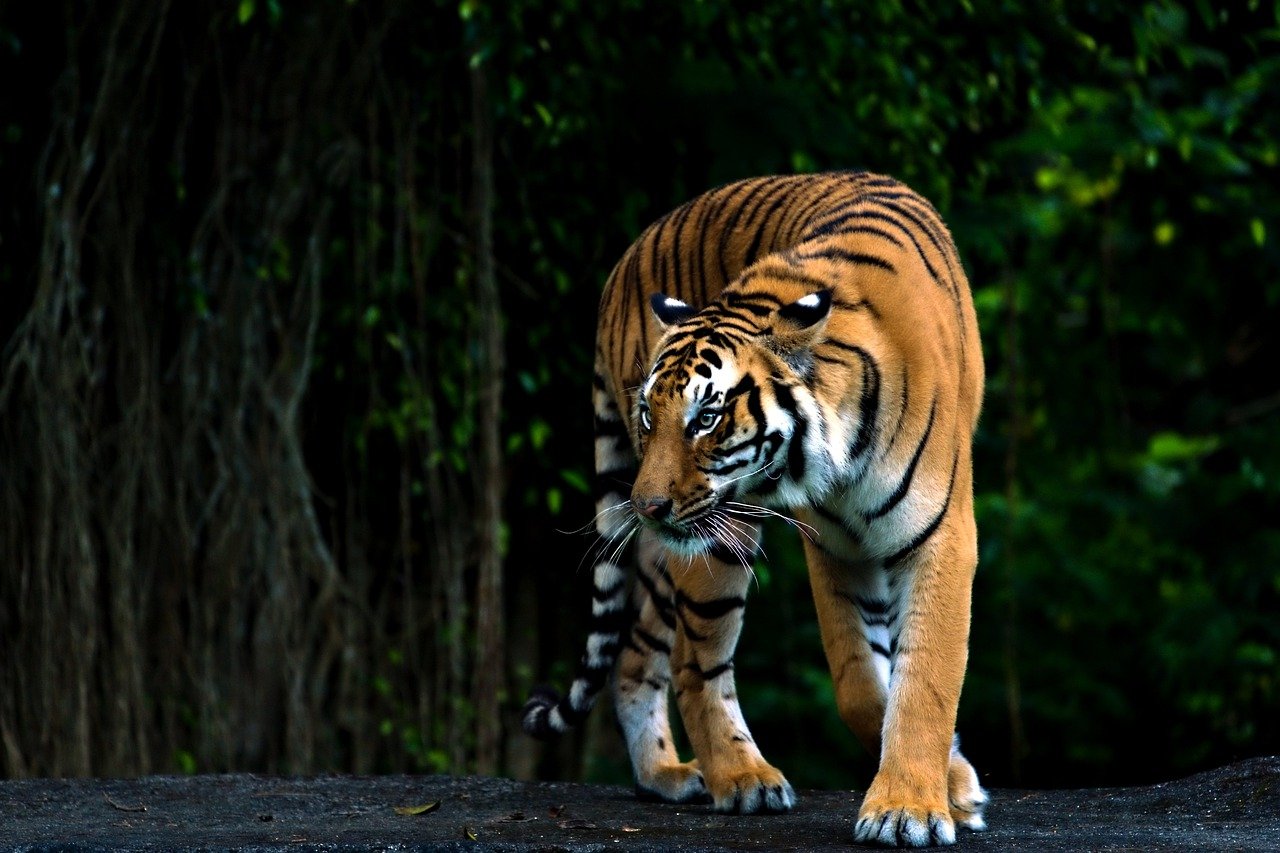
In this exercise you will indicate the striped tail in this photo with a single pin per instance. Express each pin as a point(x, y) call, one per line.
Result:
point(547, 713)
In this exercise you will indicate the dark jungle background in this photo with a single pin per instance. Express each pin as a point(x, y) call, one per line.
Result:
point(297, 303)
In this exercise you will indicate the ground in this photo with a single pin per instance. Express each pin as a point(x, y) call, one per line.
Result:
point(1233, 808)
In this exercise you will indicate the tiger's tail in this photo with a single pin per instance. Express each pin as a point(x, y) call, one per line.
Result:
point(547, 713)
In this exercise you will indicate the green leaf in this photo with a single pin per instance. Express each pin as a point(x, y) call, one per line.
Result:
point(1166, 447)
point(425, 808)
point(574, 478)
point(245, 12)
point(539, 432)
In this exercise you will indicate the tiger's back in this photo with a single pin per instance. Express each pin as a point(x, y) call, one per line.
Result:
point(696, 250)
point(805, 343)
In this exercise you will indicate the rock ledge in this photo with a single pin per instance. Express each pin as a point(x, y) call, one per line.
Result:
point(1232, 808)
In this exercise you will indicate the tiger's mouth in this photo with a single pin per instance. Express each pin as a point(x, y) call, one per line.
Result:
point(690, 536)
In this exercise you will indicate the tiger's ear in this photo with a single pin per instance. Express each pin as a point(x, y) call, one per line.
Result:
point(670, 311)
point(803, 321)
point(807, 310)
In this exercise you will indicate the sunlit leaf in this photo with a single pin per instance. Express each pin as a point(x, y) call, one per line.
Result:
point(425, 808)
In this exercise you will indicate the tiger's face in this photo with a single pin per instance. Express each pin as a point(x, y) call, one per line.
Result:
point(725, 421)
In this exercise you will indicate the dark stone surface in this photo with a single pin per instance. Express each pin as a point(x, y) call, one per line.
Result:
point(1233, 808)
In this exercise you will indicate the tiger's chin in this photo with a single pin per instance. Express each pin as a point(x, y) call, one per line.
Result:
point(684, 543)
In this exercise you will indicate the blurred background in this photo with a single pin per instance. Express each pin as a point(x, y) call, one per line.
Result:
point(297, 304)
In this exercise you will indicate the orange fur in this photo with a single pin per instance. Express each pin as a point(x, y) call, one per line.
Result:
point(804, 343)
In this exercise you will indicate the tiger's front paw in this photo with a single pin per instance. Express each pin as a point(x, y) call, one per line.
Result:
point(674, 783)
point(893, 823)
point(753, 789)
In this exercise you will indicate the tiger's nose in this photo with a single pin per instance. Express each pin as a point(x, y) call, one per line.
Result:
point(653, 508)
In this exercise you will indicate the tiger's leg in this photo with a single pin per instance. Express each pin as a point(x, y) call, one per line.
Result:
point(856, 619)
point(859, 616)
point(710, 594)
point(641, 688)
point(909, 802)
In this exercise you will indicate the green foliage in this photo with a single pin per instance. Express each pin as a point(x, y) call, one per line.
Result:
point(1110, 174)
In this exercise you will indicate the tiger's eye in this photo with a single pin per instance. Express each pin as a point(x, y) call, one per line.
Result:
point(707, 420)
point(646, 420)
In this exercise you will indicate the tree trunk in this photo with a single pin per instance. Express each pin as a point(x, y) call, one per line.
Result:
point(490, 665)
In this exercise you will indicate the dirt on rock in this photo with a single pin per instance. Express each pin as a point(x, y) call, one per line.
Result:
point(1232, 808)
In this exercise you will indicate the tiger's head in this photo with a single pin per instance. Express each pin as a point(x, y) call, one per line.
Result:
point(726, 418)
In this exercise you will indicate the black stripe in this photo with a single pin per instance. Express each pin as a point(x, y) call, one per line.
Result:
point(838, 522)
point(926, 217)
point(660, 600)
point(805, 215)
point(784, 275)
point(878, 649)
point(713, 609)
point(730, 227)
point(795, 452)
point(613, 481)
point(749, 258)
point(651, 641)
point(725, 554)
point(750, 303)
point(872, 230)
point(603, 595)
point(606, 427)
point(905, 483)
point(889, 220)
point(716, 210)
point(698, 270)
point(642, 310)
point(874, 606)
point(836, 217)
point(869, 402)
point(708, 674)
point(682, 292)
point(923, 536)
point(860, 305)
point(610, 622)
point(848, 257)
point(902, 411)
point(914, 218)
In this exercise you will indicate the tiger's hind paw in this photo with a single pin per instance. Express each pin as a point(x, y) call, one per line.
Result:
point(674, 783)
point(967, 799)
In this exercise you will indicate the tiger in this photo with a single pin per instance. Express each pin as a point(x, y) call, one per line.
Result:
point(803, 346)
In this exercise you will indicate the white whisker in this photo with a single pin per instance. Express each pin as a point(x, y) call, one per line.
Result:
point(730, 537)
point(593, 523)
point(738, 508)
point(748, 474)
point(748, 532)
